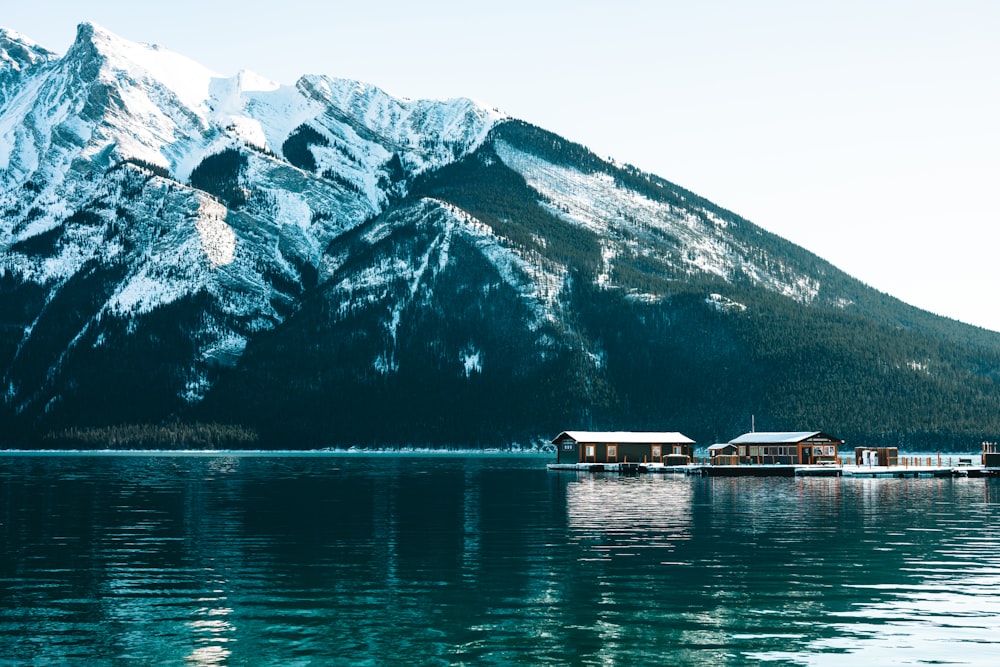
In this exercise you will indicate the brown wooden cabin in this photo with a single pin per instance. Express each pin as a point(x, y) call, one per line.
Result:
point(991, 455)
point(724, 454)
point(787, 447)
point(668, 448)
point(876, 456)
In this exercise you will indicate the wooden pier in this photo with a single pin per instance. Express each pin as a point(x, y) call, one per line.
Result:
point(757, 454)
point(786, 470)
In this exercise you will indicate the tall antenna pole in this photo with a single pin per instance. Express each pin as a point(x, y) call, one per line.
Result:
point(753, 427)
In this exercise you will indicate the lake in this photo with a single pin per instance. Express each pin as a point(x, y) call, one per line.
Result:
point(322, 559)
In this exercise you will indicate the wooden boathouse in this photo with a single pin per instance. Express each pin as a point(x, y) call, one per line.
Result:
point(990, 458)
point(723, 454)
point(876, 456)
point(668, 448)
point(787, 447)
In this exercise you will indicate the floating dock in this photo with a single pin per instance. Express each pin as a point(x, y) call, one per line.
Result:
point(783, 470)
point(623, 468)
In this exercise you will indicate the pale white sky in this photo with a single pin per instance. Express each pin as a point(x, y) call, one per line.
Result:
point(866, 131)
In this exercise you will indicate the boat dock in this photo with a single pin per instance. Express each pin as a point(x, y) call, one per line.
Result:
point(784, 470)
point(757, 454)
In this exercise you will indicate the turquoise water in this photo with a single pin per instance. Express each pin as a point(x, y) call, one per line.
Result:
point(343, 560)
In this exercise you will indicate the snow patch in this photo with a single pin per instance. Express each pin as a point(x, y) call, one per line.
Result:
point(724, 304)
point(471, 360)
point(196, 388)
point(218, 239)
point(146, 291)
point(386, 363)
point(842, 303)
point(226, 346)
point(608, 254)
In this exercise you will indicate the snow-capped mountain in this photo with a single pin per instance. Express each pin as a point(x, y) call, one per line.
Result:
point(327, 262)
point(97, 149)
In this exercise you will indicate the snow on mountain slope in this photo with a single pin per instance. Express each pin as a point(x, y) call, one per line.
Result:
point(537, 282)
point(427, 133)
point(150, 66)
point(110, 100)
point(17, 52)
point(98, 155)
point(117, 99)
point(629, 221)
point(18, 55)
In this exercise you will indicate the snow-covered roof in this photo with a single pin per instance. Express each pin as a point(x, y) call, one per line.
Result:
point(778, 437)
point(719, 445)
point(627, 437)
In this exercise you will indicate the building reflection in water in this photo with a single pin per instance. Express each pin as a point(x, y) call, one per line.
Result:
point(211, 637)
point(250, 560)
point(617, 518)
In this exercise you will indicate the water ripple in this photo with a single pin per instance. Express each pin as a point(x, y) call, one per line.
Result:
point(312, 560)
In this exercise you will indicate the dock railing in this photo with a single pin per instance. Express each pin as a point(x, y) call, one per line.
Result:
point(892, 462)
point(924, 462)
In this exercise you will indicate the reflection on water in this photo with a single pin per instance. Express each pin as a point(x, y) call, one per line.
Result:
point(619, 518)
point(285, 560)
point(944, 605)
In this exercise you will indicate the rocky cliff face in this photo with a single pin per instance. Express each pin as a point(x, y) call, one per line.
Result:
point(324, 263)
point(138, 182)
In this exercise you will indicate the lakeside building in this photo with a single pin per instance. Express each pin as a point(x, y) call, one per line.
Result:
point(990, 458)
point(876, 456)
point(787, 447)
point(669, 448)
point(724, 454)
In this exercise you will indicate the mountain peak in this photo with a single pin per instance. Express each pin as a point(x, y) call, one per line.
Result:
point(17, 52)
point(90, 33)
point(89, 37)
point(86, 30)
point(189, 80)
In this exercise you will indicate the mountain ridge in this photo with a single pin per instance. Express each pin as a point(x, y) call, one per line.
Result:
point(330, 263)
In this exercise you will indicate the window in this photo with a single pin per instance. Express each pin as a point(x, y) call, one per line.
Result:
point(590, 450)
point(612, 451)
point(657, 451)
